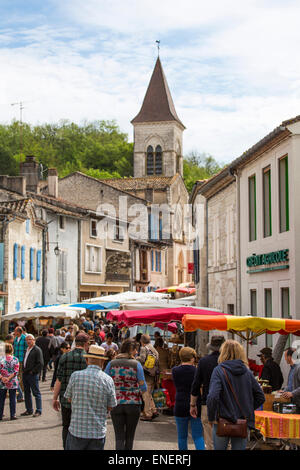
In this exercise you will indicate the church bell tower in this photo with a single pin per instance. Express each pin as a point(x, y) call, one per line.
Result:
point(157, 131)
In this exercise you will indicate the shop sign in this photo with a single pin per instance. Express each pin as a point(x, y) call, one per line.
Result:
point(267, 259)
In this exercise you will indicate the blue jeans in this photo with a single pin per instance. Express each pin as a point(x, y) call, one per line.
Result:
point(31, 384)
point(183, 429)
point(221, 443)
point(12, 401)
point(79, 443)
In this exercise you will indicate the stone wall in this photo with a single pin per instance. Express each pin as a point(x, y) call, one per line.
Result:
point(222, 249)
point(166, 134)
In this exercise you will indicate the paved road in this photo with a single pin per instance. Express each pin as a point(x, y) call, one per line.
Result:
point(44, 433)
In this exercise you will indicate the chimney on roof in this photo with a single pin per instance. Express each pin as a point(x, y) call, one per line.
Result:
point(13, 183)
point(52, 182)
point(31, 169)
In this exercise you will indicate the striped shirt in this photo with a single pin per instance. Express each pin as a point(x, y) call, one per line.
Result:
point(91, 392)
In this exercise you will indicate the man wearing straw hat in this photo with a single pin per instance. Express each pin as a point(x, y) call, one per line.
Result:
point(92, 394)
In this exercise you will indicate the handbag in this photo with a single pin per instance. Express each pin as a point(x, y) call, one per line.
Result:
point(228, 429)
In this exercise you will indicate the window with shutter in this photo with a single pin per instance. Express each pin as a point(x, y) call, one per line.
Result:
point(62, 273)
point(150, 160)
point(38, 264)
point(15, 265)
point(23, 262)
point(31, 264)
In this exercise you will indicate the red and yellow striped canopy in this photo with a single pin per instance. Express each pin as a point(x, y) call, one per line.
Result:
point(229, 322)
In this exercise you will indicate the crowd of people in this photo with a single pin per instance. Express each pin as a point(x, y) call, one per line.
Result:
point(98, 370)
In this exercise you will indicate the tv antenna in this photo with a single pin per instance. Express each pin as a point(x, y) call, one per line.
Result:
point(21, 107)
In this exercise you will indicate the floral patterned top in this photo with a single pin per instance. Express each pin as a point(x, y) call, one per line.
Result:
point(9, 365)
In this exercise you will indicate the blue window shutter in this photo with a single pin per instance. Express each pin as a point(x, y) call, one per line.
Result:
point(152, 260)
point(15, 261)
point(23, 262)
point(18, 306)
point(31, 263)
point(159, 258)
point(156, 261)
point(27, 225)
point(160, 229)
point(38, 265)
point(1, 262)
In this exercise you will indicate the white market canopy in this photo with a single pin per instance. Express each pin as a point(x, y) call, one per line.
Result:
point(57, 311)
point(129, 296)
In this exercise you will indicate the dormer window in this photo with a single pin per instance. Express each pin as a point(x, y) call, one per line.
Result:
point(154, 160)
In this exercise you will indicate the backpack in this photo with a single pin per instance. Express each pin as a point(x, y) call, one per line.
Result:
point(151, 363)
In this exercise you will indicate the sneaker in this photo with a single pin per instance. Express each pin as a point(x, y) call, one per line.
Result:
point(13, 418)
point(27, 413)
point(37, 414)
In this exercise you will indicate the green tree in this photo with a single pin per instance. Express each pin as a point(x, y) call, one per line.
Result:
point(199, 166)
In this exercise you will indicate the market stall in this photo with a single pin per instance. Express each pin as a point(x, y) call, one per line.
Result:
point(246, 327)
point(164, 317)
point(278, 426)
point(43, 314)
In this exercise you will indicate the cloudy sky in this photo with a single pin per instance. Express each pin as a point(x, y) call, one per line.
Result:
point(233, 68)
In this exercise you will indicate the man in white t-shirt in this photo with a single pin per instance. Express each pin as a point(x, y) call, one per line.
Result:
point(109, 343)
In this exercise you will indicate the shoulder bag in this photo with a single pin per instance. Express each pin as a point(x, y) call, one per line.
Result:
point(228, 429)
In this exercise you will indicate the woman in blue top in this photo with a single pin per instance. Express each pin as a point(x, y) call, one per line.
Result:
point(183, 377)
point(129, 380)
point(220, 401)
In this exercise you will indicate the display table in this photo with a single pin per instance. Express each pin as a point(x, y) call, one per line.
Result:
point(277, 425)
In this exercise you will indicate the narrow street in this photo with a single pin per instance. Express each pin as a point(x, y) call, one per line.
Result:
point(44, 433)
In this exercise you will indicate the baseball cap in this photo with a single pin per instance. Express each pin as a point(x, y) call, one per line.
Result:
point(267, 352)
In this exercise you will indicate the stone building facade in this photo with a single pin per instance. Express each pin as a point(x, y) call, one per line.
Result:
point(217, 239)
point(21, 262)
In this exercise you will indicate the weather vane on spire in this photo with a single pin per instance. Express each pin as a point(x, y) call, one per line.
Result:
point(158, 46)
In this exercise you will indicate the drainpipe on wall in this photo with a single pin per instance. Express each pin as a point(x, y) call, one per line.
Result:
point(235, 173)
point(44, 267)
point(79, 261)
point(206, 242)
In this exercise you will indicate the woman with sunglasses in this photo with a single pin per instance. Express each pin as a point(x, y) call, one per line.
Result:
point(64, 348)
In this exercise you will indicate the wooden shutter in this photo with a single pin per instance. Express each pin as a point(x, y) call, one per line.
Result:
point(31, 260)
point(15, 261)
point(38, 265)
point(23, 262)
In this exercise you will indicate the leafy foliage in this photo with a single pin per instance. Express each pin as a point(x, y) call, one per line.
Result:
point(97, 148)
point(199, 166)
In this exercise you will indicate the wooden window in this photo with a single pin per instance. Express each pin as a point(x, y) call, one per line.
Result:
point(252, 208)
point(61, 221)
point(285, 308)
point(93, 228)
point(267, 209)
point(118, 231)
point(253, 307)
point(93, 259)
point(62, 273)
point(284, 224)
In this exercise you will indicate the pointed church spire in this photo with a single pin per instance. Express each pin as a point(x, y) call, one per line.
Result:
point(158, 104)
